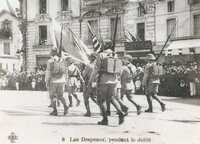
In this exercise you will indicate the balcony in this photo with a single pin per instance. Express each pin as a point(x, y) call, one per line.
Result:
point(64, 15)
point(93, 4)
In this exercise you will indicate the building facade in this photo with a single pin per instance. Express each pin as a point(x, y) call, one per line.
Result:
point(10, 42)
point(40, 16)
point(146, 20)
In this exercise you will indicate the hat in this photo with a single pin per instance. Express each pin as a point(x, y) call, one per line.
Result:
point(108, 51)
point(128, 57)
point(150, 57)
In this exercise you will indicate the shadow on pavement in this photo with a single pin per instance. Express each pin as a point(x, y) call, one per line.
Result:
point(186, 121)
point(69, 124)
point(189, 101)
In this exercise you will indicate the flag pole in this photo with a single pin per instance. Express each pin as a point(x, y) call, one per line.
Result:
point(61, 37)
point(115, 33)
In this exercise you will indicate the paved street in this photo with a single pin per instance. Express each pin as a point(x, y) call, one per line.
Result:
point(27, 115)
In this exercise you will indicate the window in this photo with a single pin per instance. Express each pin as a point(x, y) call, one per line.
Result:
point(112, 28)
point(6, 46)
point(171, 27)
point(64, 5)
point(197, 25)
point(141, 31)
point(171, 6)
point(192, 50)
point(42, 34)
point(43, 6)
point(141, 11)
point(94, 26)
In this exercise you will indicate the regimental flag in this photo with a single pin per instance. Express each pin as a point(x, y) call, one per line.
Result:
point(12, 11)
point(96, 43)
point(70, 44)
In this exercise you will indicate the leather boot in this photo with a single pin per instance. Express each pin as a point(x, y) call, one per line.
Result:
point(163, 107)
point(139, 108)
point(103, 122)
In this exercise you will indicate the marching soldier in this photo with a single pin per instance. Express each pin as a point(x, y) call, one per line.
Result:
point(89, 90)
point(55, 80)
point(73, 75)
point(151, 82)
point(107, 83)
point(127, 84)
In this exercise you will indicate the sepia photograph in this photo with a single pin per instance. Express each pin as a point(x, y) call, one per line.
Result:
point(99, 71)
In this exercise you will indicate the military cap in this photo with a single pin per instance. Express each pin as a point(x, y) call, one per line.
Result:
point(128, 57)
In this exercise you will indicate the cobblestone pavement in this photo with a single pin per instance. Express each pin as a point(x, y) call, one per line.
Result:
point(24, 119)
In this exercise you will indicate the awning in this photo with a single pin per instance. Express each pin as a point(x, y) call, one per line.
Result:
point(183, 46)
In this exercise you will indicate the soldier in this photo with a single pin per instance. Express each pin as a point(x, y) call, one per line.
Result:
point(107, 83)
point(55, 80)
point(89, 91)
point(72, 85)
point(151, 82)
point(127, 84)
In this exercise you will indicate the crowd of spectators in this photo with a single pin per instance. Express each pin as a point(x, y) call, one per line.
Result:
point(180, 80)
point(24, 80)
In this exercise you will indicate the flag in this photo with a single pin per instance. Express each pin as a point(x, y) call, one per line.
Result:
point(70, 43)
point(132, 37)
point(95, 41)
point(12, 11)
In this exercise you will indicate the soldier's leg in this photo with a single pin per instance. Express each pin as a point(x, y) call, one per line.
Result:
point(115, 102)
point(150, 106)
point(74, 94)
point(130, 95)
point(102, 103)
point(60, 92)
point(52, 91)
point(154, 96)
point(120, 92)
point(86, 102)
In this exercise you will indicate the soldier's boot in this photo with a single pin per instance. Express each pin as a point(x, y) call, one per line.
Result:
point(70, 101)
point(150, 109)
point(163, 107)
point(104, 121)
point(77, 100)
point(54, 112)
point(121, 118)
point(139, 109)
point(62, 99)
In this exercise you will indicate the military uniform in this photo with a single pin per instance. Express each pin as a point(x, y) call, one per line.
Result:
point(89, 91)
point(151, 82)
point(107, 86)
point(55, 82)
point(72, 84)
point(127, 84)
